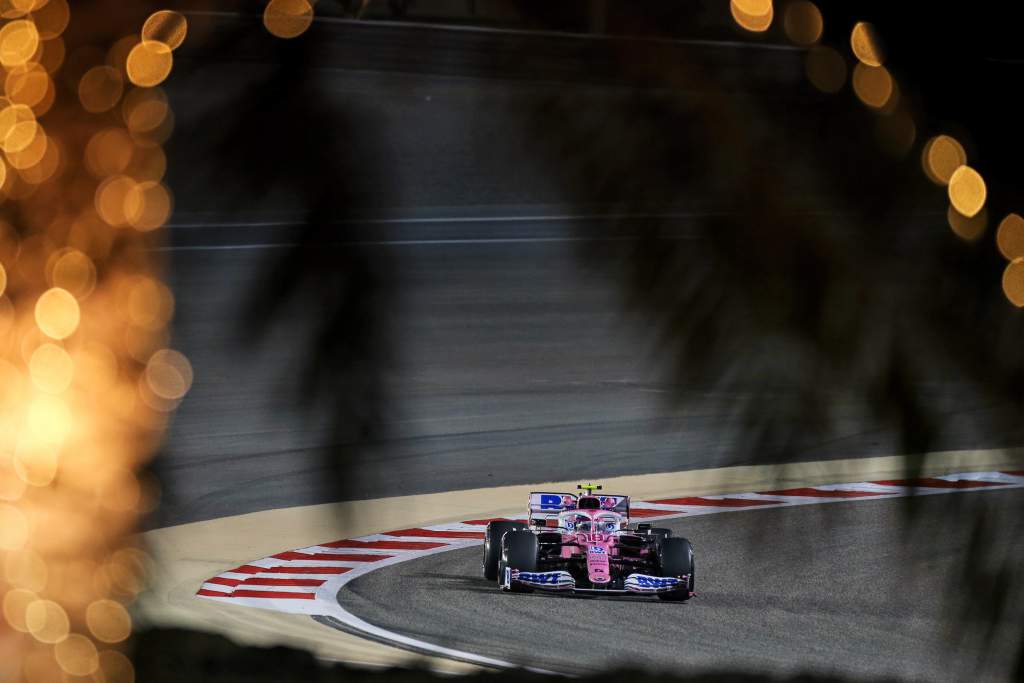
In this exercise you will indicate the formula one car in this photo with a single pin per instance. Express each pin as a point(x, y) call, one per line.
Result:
point(586, 544)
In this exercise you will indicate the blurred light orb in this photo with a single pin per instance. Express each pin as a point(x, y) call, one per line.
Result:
point(111, 199)
point(897, 133)
point(53, 54)
point(100, 89)
point(826, 69)
point(18, 127)
point(967, 191)
point(77, 655)
point(149, 63)
point(288, 18)
point(873, 85)
point(26, 570)
point(74, 272)
point(803, 22)
point(941, 156)
point(47, 621)
point(27, 85)
point(51, 368)
point(32, 155)
point(968, 229)
point(3, 278)
point(116, 667)
point(167, 27)
point(169, 374)
point(52, 18)
point(16, 602)
point(1009, 238)
point(865, 44)
point(19, 41)
point(145, 109)
point(13, 529)
point(1013, 282)
point(109, 152)
point(752, 15)
point(57, 313)
point(108, 621)
point(148, 206)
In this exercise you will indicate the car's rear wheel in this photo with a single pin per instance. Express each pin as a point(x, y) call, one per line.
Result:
point(676, 556)
point(661, 533)
point(492, 545)
point(518, 551)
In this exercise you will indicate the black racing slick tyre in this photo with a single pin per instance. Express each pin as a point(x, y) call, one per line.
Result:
point(676, 557)
point(492, 545)
point(518, 551)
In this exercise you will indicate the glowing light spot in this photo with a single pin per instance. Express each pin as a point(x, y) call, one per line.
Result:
point(3, 180)
point(57, 313)
point(3, 278)
point(167, 27)
point(47, 167)
point(27, 571)
point(941, 156)
point(109, 621)
point(18, 128)
point(149, 63)
point(969, 229)
point(873, 85)
point(169, 375)
point(145, 110)
point(116, 667)
point(13, 528)
point(865, 44)
point(967, 191)
point(803, 22)
point(753, 15)
point(147, 303)
point(826, 69)
point(127, 570)
point(75, 272)
point(19, 40)
point(111, 198)
point(148, 163)
point(51, 368)
point(31, 155)
point(148, 206)
point(27, 85)
point(1009, 238)
point(100, 89)
point(109, 152)
point(288, 18)
point(1013, 282)
point(77, 655)
point(16, 602)
point(53, 54)
point(47, 621)
point(52, 18)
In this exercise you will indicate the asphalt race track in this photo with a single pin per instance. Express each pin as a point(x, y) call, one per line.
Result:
point(825, 588)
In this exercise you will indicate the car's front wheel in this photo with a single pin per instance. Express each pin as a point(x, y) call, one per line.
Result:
point(676, 557)
point(518, 551)
point(492, 545)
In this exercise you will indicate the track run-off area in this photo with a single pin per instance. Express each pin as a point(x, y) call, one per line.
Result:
point(809, 578)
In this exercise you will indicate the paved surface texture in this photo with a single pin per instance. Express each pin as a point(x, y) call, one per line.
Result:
point(843, 587)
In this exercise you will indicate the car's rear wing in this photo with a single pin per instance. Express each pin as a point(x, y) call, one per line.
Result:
point(546, 506)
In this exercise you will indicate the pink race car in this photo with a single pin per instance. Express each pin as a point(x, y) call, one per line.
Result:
point(585, 544)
